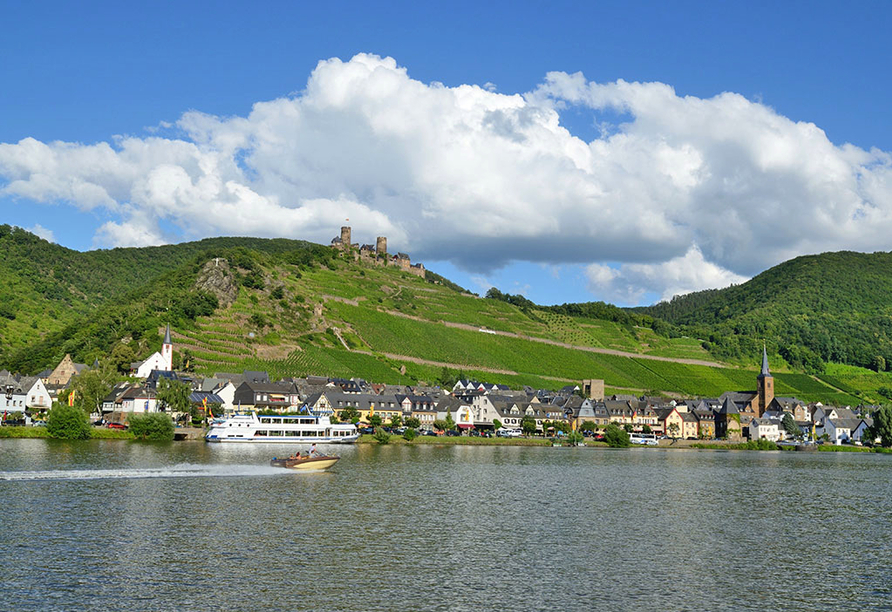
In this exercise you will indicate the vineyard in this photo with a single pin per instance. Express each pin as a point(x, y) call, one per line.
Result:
point(281, 337)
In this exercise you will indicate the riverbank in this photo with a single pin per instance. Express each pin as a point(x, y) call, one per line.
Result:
point(96, 433)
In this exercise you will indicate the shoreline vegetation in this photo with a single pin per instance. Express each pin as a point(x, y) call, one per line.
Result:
point(115, 434)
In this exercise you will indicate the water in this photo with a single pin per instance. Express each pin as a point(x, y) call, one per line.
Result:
point(110, 525)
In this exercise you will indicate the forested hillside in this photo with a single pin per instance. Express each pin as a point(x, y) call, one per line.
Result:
point(811, 310)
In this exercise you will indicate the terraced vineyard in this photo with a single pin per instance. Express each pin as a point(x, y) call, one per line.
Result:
point(396, 327)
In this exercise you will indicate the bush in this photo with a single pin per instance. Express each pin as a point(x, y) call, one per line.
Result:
point(616, 437)
point(574, 437)
point(410, 434)
point(66, 422)
point(155, 426)
point(381, 436)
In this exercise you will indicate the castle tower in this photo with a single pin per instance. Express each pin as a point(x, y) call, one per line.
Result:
point(167, 349)
point(381, 245)
point(345, 237)
point(766, 385)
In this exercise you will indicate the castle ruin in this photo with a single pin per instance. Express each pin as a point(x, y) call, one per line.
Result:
point(375, 255)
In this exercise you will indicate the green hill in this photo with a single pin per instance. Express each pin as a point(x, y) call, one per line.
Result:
point(296, 308)
point(832, 307)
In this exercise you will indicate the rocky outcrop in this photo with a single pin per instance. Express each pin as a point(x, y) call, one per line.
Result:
point(216, 278)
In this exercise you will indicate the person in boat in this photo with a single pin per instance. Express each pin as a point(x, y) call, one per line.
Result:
point(312, 450)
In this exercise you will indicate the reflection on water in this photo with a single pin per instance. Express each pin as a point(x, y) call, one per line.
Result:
point(188, 526)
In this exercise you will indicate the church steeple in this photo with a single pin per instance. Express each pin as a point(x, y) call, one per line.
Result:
point(765, 371)
point(167, 349)
point(766, 385)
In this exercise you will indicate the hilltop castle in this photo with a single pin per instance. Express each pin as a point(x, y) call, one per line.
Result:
point(375, 255)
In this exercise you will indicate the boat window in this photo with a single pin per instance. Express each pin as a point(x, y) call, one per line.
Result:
point(261, 432)
point(273, 432)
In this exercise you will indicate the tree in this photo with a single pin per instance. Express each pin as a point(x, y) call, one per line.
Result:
point(396, 420)
point(574, 437)
point(155, 426)
point(790, 426)
point(440, 425)
point(450, 422)
point(173, 396)
point(528, 425)
point(646, 429)
point(882, 424)
point(66, 422)
point(375, 420)
point(616, 436)
point(628, 427)
point(410, 434)
point(496, 423)
point(91, 387)
point(348, 414)
point(121, 357)
point(673, 430)
point(588, 426)
point(381, 436)
point(413, 422)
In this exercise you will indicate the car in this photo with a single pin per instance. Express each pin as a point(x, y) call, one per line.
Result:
point(367, 430)
point(453, 433)
point(116, 426)
point(39, 423)
point(399, 431)
point(429, 432)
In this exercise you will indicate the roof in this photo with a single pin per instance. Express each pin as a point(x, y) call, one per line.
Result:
point(729, 407)
point(167, 335)
point(764, 373)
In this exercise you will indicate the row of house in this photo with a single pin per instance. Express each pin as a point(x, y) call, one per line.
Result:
point(471, 404)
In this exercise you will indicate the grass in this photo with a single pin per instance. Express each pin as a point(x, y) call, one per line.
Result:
point(96, 433)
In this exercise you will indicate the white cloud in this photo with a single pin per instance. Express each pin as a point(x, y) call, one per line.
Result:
point(40, 231)
point(720, 187)
point(628, 283)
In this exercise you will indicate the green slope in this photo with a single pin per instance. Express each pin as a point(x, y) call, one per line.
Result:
point(832, 307)
point(302, 310)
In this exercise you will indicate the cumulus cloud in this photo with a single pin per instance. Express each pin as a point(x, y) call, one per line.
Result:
point(40, 231)
point(628, 283)
point(713, 189)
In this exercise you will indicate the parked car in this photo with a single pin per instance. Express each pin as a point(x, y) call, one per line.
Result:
point(453, 432)
point(116, 426)
point(367, 430)
point(429, 432)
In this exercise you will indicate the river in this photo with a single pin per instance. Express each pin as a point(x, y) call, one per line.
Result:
point(116, 525)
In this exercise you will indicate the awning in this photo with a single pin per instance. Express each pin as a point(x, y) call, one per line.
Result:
point(465, 426)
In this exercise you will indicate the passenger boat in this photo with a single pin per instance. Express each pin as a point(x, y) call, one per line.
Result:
point(299, 429)
point(316, 462)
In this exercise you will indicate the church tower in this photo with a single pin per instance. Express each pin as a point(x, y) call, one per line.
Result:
point(766, 385)
point(167, 349)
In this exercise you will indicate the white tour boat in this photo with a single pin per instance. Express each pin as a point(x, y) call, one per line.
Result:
point(300, 429)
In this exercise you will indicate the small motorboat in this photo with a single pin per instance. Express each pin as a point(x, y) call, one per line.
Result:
point(313, 462)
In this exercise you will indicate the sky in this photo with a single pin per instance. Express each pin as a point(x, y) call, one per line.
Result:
point(566, 151)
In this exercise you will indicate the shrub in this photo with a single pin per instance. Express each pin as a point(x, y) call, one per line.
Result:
point(616, 437)
point(155, 426)
point(381, 436)
point(574, 437)
point(66, 422)
point(410, 434)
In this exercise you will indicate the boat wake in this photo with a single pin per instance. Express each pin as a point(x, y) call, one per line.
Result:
point(176, 471)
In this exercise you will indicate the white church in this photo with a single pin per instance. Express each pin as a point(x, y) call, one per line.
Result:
point(157, 361)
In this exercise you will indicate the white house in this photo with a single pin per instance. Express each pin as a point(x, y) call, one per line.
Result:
point(157, 361)
point(36, 395)
point(841, 430)
point(764, 428)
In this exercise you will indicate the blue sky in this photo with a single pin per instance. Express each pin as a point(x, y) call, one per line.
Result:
point(631, 183)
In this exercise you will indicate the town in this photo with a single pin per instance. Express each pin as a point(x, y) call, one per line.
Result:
point(467, 408)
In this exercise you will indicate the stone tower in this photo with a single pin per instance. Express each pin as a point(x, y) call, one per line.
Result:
point(766, 385)
point(593, 388)
point(381, 245)
point(345, 237)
